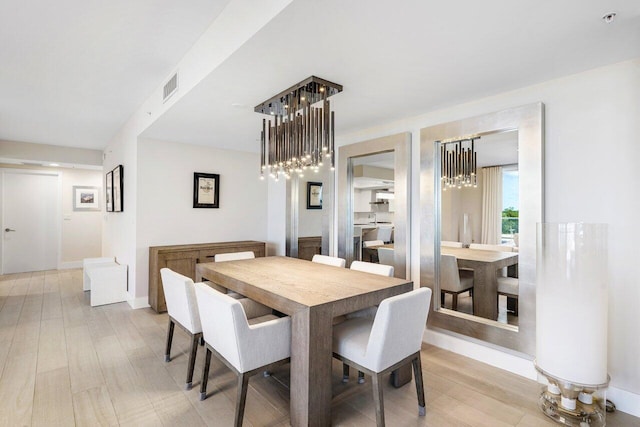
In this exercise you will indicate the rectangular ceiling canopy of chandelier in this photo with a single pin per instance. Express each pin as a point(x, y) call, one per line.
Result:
point(300, 136)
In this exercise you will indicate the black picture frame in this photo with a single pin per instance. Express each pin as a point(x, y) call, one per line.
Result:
point(118, 188)
point(206, 190)
point(109, 191)
point(314, 195)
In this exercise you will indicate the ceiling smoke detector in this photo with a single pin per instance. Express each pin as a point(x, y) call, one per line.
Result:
point(609, 17)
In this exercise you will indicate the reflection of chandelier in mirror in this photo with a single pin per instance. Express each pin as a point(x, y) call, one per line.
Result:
point(301, 135)
point(458, 162)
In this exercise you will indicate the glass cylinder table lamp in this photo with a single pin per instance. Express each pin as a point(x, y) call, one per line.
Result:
point(571, 317)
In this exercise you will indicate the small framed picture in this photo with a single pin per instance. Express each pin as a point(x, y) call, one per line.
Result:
point(109, 191)
point(86, 198)
point(314, 195)
point(206, 190)
point(118, 201)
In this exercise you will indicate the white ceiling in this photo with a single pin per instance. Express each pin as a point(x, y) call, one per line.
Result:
point(77, 70)
point(73, 71)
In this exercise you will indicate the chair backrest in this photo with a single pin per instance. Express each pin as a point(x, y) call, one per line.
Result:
point(234, 256)
point(397, 328)
point(223, 320)
point(384, 233)
point(369, 243)
point(449, 275)
point(180, 296)
point(369, 267)
point(497, 248)
point(386, 256)
point(449, 244)
point(329, 260)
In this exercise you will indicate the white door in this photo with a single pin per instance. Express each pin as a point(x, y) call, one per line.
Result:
point(30, 228)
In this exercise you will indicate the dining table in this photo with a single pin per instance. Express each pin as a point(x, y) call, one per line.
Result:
point(485, 265)
point(313, 295)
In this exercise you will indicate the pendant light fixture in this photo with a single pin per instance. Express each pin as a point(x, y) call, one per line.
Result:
point(458, 161)
point(299, 135)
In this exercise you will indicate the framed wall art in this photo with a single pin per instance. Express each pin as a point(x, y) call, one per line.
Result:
point(86, 198)
point(118, 200)
point(109, 191)
point(314, 195)
point(206, 190)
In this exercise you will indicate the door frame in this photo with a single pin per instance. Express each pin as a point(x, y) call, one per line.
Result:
point(58, 210)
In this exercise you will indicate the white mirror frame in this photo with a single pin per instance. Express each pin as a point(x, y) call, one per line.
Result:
point(400, 144)
point(529, 121)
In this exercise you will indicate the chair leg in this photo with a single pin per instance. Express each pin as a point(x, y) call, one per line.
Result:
point(243, 382)
point(360, 377)
point(345, 373)
point(417, 372)
point(167, 351)
point(192, 360)
point(377, 397)
point(454, 303)
point(205, 375)
point(201, 340)
point(442, 299)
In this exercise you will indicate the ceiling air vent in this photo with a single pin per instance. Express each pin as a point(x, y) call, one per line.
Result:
point(170, 87)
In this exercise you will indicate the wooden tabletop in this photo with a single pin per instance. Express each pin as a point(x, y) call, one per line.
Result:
point(478, 254)
point(312, 294)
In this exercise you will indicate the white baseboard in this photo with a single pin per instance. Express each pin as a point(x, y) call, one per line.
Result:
point(625, 401)
point(136, 303)
point(70, 265)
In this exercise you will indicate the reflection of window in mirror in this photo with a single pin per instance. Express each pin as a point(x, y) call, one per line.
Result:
point(510, 205)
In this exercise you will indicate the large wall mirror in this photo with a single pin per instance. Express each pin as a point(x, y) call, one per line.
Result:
point(373, 183)
point(309, 213)
point(481, 184)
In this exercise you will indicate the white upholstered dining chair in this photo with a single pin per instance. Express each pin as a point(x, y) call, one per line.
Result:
point(329, 260)
point(386, 256)
point(234, 256)
point(180, 297)
point(390, 340)
point(454, 281)
point(369, 312)
point(182, 308)
point(244, 348)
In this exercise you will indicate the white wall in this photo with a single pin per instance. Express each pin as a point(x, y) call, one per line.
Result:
point(165, 213)
point(81, 231)
point(591, 131)
point(455, 203)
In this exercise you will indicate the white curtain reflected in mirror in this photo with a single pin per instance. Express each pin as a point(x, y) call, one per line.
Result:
point(484, 217)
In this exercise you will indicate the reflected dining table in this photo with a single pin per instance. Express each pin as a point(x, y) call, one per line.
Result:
point(312, 294)
point(485, 265)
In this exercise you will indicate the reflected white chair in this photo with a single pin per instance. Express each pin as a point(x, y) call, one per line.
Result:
point(244, 348)
point(450, 244)
point(509, 287)
point(384, 233)
point(453, 281)
point(234, 256)
point(390, 340)
point(329, 260)
point(386, 256)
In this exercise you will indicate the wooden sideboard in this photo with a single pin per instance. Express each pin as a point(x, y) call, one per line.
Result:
point(183, 259)
point(309, 246)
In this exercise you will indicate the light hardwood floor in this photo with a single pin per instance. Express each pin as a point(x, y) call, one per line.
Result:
point(65, 363)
